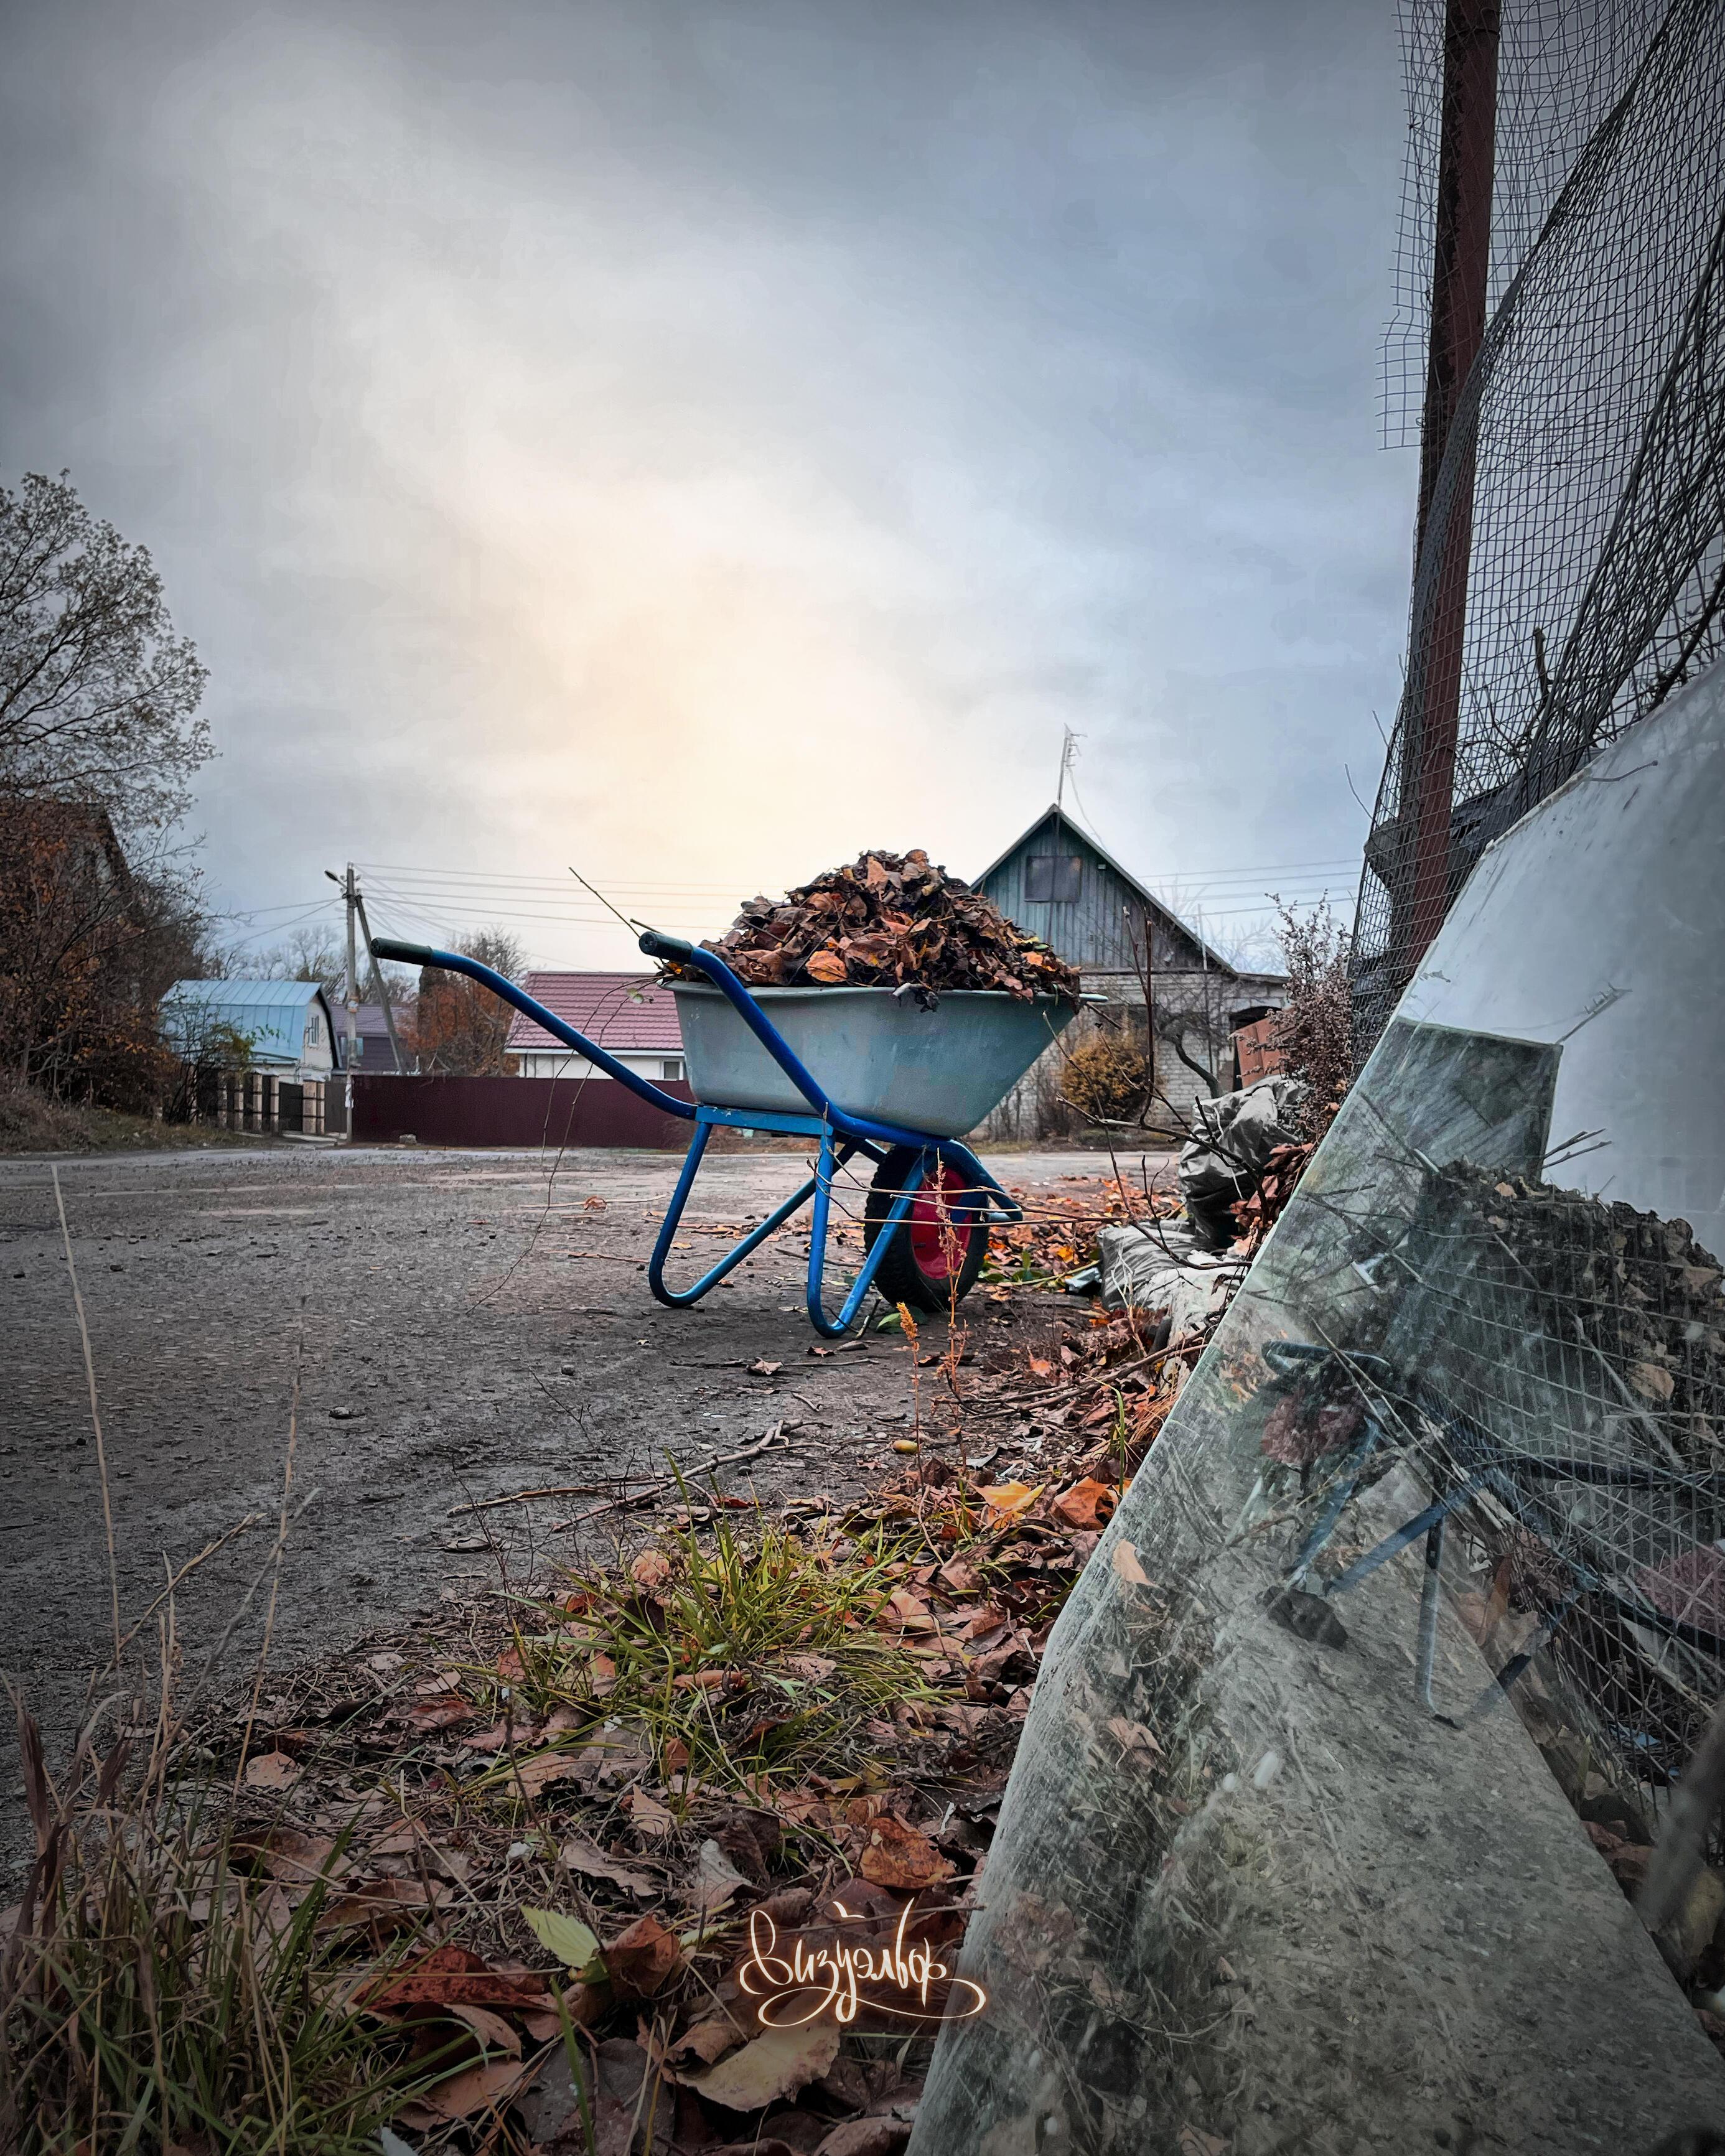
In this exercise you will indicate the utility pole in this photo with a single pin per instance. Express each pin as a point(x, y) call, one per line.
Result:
point(350, 897)
point(1069, 749)
point(352, 1056)
point(1462, 253)
point(365, 930)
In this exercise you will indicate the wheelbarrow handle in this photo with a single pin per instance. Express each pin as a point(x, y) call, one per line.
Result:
point(499, 985)
point(672, 950)
point(669, 950)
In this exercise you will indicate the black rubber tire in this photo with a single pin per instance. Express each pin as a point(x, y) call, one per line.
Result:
point(899, 1276)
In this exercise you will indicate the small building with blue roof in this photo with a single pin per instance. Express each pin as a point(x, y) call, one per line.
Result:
point(281, 1082)
point(289, 1023)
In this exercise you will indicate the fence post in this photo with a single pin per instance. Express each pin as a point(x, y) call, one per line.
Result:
point(1460, 262)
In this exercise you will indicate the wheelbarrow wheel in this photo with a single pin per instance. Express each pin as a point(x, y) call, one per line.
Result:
point(936, 1251)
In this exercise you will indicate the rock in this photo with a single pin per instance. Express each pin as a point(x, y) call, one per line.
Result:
point(1306, 1616)
point(1628, 1861)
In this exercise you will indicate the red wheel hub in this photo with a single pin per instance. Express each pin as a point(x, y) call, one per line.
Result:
point(939, 1232)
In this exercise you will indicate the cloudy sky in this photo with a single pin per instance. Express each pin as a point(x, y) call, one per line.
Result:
point(696, 439)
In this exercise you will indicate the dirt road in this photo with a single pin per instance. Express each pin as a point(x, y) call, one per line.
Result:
point(469, 1329)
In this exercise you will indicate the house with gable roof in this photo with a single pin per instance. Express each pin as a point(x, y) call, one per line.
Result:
point(287, 1031)
point(1168, 992)
point(630, 1015)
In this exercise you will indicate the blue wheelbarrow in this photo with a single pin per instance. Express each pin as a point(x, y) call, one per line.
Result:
point(892, 1075)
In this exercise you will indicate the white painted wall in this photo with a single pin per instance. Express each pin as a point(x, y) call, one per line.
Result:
point(532, 1063)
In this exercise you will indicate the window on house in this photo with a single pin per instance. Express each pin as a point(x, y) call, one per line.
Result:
point(1053, 879)
point(672, 1067)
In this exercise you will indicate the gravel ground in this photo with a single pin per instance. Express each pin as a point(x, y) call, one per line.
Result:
point(469, 1328)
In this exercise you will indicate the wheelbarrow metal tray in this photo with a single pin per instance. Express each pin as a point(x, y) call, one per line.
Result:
point(874, 1052)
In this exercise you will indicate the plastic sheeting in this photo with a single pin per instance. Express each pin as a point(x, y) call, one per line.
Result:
point(1424, 1563)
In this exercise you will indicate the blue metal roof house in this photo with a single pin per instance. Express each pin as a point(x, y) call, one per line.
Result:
point(1055, 880)
point(290, 1024)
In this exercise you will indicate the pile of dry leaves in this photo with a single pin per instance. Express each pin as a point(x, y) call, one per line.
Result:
point(1085, 1402)
point(890, 919)
point(1057, 1236)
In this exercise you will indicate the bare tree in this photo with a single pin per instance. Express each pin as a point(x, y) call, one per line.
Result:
point(88, 944)
point(98, 696)
point(1314, 1029)
point(306, 954)
point(458, 1026)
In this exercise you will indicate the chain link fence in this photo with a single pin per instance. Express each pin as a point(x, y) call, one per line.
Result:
point(1571, 570)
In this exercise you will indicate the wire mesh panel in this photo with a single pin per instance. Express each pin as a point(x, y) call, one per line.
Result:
point(1570, 1398)
point(1562, 64)
point(1571, 571)
point(1416, 1608)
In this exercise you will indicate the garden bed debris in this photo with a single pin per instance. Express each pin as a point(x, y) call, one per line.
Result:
point(540, 1831)
point(890, 919)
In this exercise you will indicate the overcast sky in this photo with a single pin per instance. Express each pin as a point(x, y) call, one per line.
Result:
point(697, 441)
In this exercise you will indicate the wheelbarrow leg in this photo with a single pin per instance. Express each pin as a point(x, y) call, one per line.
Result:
point(834, 1328)
point(681, 1298)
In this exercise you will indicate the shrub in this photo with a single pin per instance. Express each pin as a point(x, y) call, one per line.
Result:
point(1109, 1080)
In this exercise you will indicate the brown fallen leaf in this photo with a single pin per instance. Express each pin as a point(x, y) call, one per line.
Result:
point(271, 1770)
point(1194, 2143)
point(489, 1740)
point(641, 1960)
point(813, 1669)
point(494, 2033)
point(652, 1821)
point(1652, 1381)
point(383, 1903)
point(709, 2039)
point(1126, 1564)
point(1012, 1498)
point(441, 1710)
point(897, 1856)
point(543, 1769)
point(588, 1859)
point(773, 2066)
point(650, 1569)
point(826, 967)
point(762, 1368)
point(296, 1859)
point(479, 2089)
point(1086, 1505)
point(716, 1880)
point(1132, 1737)
point(912, 1615)
point(456, 1976)
point(865, 2137)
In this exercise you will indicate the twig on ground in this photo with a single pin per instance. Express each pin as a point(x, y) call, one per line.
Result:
point(523, 1496)
point(96, 1414)
point(287, 1491)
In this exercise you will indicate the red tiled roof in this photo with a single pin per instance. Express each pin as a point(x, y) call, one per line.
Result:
point(619, 1011)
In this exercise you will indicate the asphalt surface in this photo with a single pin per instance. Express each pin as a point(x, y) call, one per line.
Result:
point(463, 1326)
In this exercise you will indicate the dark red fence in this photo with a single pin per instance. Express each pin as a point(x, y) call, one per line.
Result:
point(512, 1111)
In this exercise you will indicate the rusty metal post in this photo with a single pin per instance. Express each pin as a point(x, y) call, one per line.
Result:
point(1460, 259)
